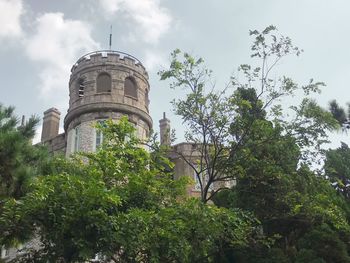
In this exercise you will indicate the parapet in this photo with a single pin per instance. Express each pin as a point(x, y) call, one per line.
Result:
point(109, 57)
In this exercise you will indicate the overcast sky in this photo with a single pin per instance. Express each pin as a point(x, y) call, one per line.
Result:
point(40, 40)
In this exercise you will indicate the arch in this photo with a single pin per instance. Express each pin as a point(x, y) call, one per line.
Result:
point(103, 83)
point(130, 87)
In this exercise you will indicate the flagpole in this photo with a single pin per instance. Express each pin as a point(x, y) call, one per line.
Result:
point(110, 39)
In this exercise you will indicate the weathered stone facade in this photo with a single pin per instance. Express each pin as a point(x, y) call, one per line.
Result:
point(108, 85)
point(103, 85)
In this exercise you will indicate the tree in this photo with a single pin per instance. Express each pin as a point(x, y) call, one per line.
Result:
point(339, 114)
point(337, 168)
point(19, 159)
point(121, 204)
point(219, 123)
point(248, 136)
point(313, 246)
point(291, 202)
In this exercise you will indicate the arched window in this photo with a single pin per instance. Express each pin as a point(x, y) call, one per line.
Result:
point(81, 88)
point(104, 83)
point(130, 88)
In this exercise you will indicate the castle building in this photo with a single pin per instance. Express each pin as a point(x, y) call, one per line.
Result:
point(107, 85)
point(103, 85)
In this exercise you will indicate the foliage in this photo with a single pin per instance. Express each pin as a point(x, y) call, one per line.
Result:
point(337, 168)
point(188, 232)
point(322, 244)
point(267, 163)
point(339, 114)
point(220, 123)
point(120, 203)
point(20, 161)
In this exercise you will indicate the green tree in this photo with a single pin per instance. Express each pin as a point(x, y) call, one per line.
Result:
point(220, 123)
point(340, 114)
point(122, 204)
point(322, 244)
point(337, 168)
point(19, 160)
point(290, 201)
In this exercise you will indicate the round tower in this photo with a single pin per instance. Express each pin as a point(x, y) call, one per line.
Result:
point(105, 85)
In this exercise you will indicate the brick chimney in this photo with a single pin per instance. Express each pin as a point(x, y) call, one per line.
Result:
point(164, 125)
point(51, 122)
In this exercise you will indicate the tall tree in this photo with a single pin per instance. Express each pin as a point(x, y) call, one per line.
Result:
point(220, 123)
point(337, 168)
point(340, 114)
point(19, 159)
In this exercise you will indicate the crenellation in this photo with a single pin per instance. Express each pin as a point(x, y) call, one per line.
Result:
point(109, 58)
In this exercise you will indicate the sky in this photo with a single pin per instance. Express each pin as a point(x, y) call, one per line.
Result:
point(40, 40)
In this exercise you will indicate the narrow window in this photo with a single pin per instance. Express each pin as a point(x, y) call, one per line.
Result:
point(99, 139)
point(130, 88)
point(81, 88)
point(77, 139)
point(204, 177)
point(99, 135)
point(146, 98)
point(104, 83)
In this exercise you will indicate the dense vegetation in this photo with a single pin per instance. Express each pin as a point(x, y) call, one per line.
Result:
point(122, 204)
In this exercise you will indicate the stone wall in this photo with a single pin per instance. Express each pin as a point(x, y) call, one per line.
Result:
point(57, 144)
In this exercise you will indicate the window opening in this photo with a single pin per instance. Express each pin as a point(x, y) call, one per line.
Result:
point(81, 88)
point(77, 139)
point(104, 83)
point(99, 135)
point(204, 176)
point(130, 88)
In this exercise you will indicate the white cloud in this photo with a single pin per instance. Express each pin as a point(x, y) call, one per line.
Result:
point(10, 18)
point(56, 44)
point(111, 6)
point(151, 18)
point(154, 60)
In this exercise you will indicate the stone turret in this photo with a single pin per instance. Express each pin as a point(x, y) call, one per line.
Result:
point(51, 123)
point(105, 85)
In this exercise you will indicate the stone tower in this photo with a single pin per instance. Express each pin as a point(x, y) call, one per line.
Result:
point(105, 85)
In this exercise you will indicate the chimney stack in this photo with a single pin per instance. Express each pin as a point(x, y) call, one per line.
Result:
point(51, 122)
point(164, 125)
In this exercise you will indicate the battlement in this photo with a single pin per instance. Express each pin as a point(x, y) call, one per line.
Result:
point(109, 56)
